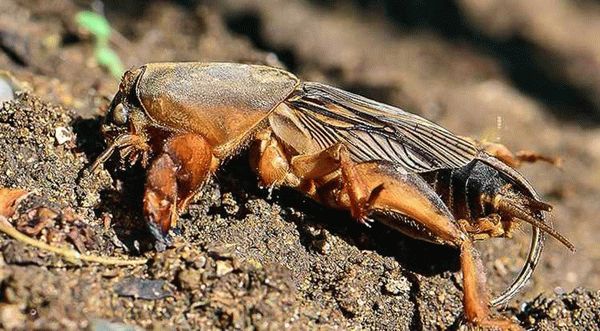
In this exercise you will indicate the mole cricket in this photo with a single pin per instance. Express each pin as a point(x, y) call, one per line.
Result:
point(183, 120)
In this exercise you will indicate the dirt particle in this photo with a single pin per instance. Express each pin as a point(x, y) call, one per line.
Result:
point(395, 287)
point(500, 267)
point(199, 262)
point(11, 317)
point(97, 324)
point(223, 268)
point(62, 135)
point(322, 245)
point(190, 279)
point(221, 251)
point(229, 204)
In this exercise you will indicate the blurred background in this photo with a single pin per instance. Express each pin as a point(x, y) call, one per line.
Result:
point(522, 73)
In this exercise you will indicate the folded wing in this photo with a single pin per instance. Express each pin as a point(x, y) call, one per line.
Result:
point(375, 131)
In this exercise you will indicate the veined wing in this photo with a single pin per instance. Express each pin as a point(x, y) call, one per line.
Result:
point(375, 131)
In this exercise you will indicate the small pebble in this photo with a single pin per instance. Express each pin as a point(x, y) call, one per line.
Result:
point(200, 262)
point(148, 289)
point(553, 312)
point(6, 91)
point(223, 268)
point(190, 279)
point(221, 251)
point(62, 135)
point(98, 324)
point(441, 297)
point(322, 246)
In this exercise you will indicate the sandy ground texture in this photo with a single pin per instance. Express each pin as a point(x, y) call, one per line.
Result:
point(246, 257)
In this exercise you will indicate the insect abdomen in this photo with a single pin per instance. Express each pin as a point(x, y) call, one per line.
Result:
point(464, 190)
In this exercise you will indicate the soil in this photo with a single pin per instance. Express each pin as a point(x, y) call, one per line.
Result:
point(246, 257)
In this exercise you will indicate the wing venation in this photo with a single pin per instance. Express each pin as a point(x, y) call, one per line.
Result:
point(375, 131)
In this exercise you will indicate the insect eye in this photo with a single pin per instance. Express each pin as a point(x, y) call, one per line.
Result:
point(120, 114)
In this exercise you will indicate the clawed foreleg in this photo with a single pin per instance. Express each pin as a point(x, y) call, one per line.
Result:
point(173, 178)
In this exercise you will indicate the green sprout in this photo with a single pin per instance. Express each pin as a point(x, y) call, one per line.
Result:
point(99, 27)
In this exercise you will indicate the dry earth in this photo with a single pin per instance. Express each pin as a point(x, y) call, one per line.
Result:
point(249, 258)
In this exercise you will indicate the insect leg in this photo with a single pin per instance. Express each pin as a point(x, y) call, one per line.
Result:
point(174, 178)
point(515, 160)
point(405, 202)
point(160, 196)
point(128, 144)
point(269, 161)
point(194, 159)
point(490, 226)
point(303, 172)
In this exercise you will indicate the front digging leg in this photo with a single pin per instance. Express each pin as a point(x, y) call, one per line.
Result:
point(160, 196)
point(173, 178)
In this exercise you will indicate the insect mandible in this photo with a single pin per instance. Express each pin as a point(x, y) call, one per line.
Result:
point(183, 120)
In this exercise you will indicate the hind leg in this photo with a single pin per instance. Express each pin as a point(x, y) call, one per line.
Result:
point(397, 196)
point(515, 160)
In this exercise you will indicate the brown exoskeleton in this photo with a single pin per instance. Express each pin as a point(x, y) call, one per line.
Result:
point(183, 120)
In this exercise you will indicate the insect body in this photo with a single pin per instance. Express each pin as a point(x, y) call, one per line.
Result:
point(183, 120)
